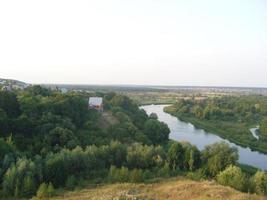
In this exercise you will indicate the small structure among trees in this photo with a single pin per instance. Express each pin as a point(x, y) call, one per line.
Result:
point(96, 103)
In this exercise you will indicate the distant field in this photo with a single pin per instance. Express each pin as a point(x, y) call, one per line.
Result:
point(172, 190)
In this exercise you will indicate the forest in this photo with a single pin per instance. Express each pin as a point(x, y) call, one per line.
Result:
point(231, 117)
point(50, 140)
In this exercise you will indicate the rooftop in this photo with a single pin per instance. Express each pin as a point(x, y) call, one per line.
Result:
point(95, 100)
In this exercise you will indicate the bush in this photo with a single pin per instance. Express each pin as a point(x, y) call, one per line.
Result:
point(71, 182)
point(232, 176)
point(50, 190)
point(20, 179)
point(45, 191)
point(165, 171)
point(197, 175)
point(176, 156)
point(217, 157)
point(136, 176)
point(260, 182)
point(42, 191)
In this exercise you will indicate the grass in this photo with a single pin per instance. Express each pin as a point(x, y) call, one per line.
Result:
point(171, 189)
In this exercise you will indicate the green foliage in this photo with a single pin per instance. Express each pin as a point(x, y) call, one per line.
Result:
point(71, 182)
point(136, 176)
point(260, 182)
point(50, 190)
point(176, 156)
point(118, 152)
point(232, 176)
point(231, 117)
point(217, 157)
point(63, 142)
point(45, 191)
point(157, 132)
point(119, 174)
point(42, 191)
point(20, 179)
point(263, 126)
point(9, 104)
point(192, 158)
point(61, 137)
point(5, 148)
point(123, 174)
point(144, 157)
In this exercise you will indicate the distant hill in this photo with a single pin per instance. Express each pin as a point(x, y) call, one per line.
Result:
point(10, 84)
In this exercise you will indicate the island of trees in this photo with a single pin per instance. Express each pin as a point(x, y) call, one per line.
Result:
point(51, 140)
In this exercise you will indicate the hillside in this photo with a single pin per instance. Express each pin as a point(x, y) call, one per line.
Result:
point(172, 190)
point(12, 84)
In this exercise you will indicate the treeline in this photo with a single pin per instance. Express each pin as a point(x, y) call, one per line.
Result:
point(40, 120)
point(118, 162)
point(248, 109)
point(38, 127)
point(230, 116)
point(51, 140)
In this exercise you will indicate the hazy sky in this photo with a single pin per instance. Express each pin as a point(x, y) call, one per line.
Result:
point(162, 42)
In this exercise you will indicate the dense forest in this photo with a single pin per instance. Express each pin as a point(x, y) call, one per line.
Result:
point(230, 117)
point(51, 140)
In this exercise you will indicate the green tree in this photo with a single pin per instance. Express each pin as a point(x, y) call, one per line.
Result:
point(5, 148)
point(50, 190)
point(198, 112)
point(62, 137)
point(194, 161)
point(118, 153)
point(42, 191)
point(20, 178)
point(263, 126)
point(71, 182)
point(176, 156)
point(10, 104)
point(260, 182)
point(136, 176)
point(217, 157)
point(232, 176)
point(29, 186)
point(4, 127)
point(157, 132)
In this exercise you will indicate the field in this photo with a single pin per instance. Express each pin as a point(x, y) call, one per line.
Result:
point(173, 189)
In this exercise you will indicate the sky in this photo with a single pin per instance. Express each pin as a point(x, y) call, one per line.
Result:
point(140, 42)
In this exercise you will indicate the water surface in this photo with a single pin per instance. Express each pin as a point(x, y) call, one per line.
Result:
point(182, 131)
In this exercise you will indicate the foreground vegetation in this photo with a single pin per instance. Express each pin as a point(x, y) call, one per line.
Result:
point(51, 140)
point(173, 189)
point(229, 117)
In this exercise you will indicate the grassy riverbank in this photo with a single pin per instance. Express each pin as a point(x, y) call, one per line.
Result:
point(237, 133)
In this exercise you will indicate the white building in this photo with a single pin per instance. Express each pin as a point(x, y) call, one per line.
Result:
point(96, 103)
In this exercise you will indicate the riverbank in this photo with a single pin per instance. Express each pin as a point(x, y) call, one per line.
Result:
point(225, 130)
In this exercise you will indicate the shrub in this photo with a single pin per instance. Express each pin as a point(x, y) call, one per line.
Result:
point(136, 176)
point(260, 182)
point(71, 182)
point(50, 190)
point(217, 157)
point(232, 176)
point(42, 191)
point(20, 179)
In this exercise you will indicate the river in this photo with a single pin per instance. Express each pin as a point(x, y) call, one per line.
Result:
point(182, 131)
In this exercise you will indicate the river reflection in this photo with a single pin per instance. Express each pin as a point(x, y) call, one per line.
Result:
point(182, 131)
